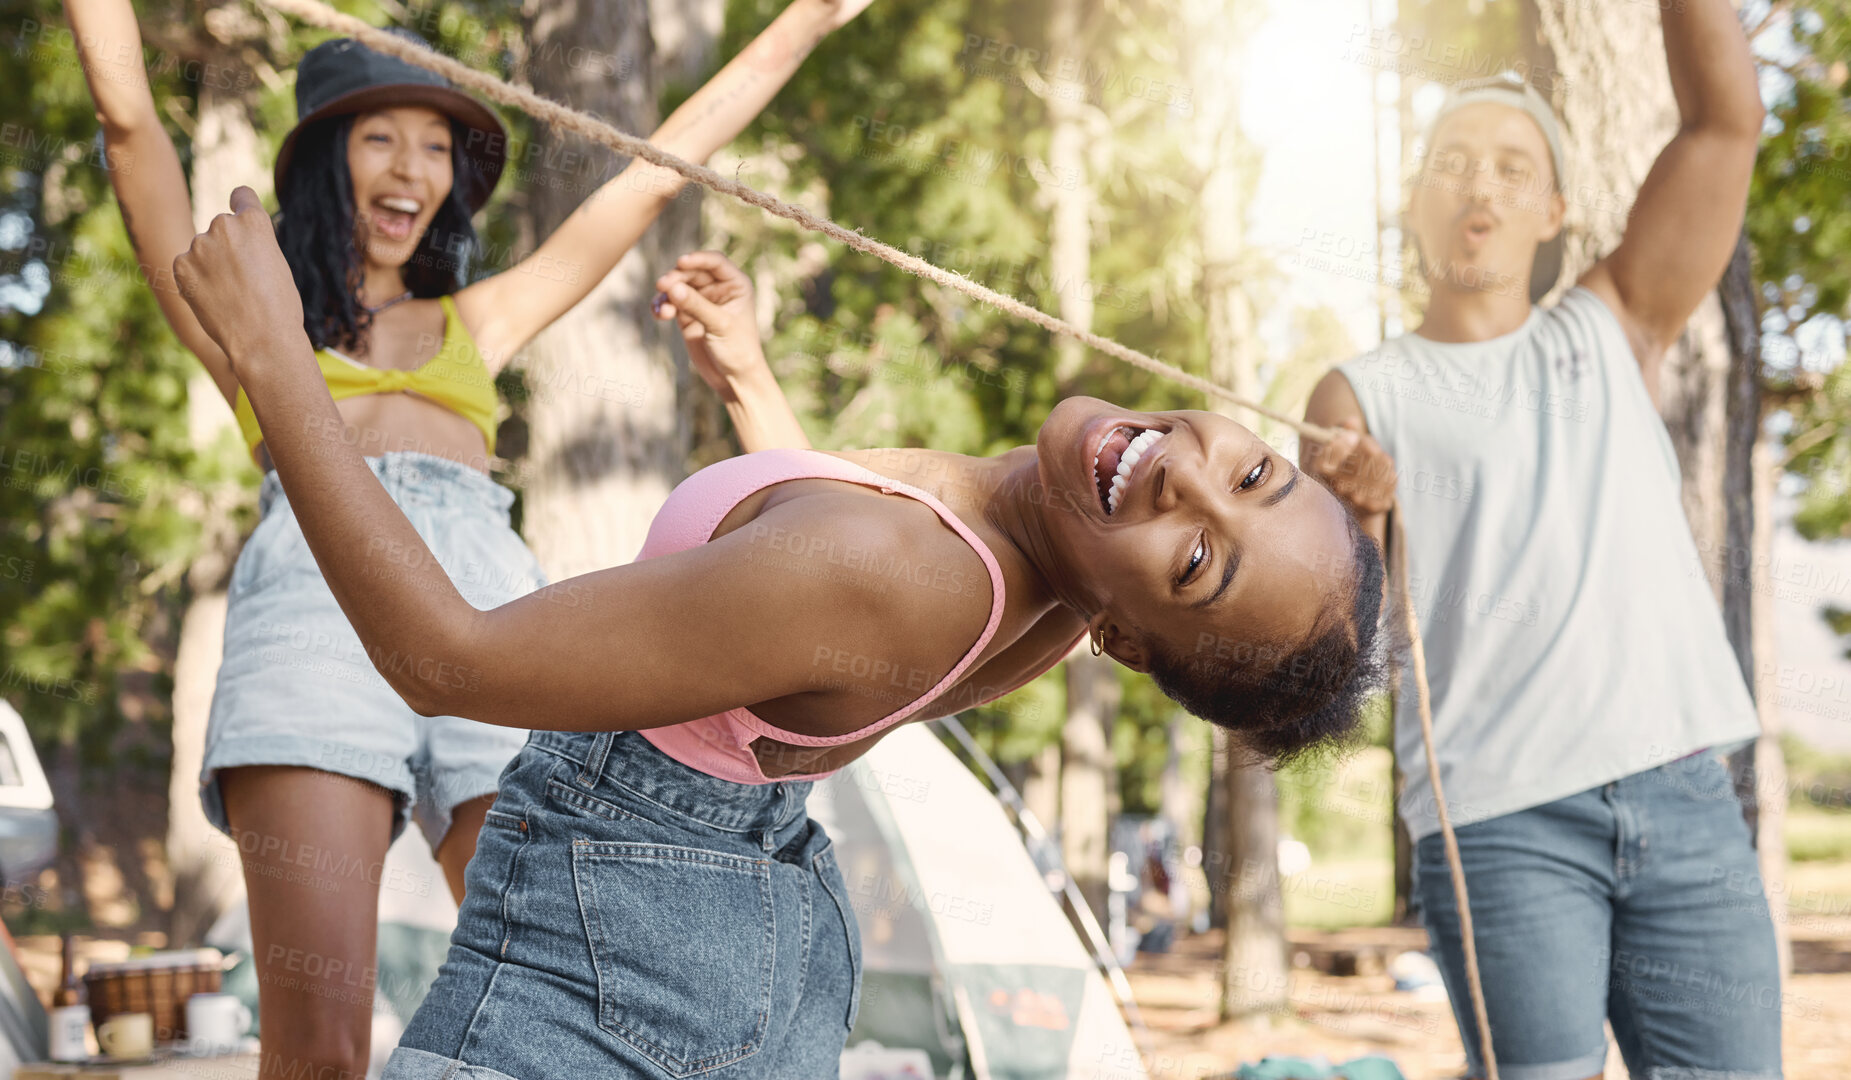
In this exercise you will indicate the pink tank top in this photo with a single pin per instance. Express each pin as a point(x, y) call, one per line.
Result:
point(720, 745)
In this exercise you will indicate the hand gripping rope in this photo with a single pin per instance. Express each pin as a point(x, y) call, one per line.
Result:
point(564, 118)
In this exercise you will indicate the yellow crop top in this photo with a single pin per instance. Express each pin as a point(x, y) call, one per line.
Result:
point(456, 377)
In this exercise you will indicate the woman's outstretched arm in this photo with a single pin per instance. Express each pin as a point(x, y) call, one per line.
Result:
point(505, 311)
point(672, 639)
point(144, 168)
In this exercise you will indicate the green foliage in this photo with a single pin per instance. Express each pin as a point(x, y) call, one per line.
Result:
point(1141, 745)
point(1341, 806)
point(1801, 238)
point(1818, 825)
point(1338, 803)
point(898, 126)
point(1818, 836)
point(1816, 778)
point(100, 481)
point(98, 473)
point(1013, 728)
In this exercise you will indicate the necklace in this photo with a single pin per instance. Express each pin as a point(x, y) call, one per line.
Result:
point(399, 299)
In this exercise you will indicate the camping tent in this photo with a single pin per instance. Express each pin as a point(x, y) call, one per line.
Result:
point(965, 952)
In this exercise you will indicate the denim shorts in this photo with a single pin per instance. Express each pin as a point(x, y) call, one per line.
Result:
point(628, 917)
point(298, 688)
point(1637, 903)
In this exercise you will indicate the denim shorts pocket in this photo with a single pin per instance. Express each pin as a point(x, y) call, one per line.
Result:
point(273, 547)
point(682, 940)
point(563, 794)
point(831, 876)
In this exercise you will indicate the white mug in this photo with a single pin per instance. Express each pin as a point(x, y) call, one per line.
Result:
point(215, 1023)
point(127, 1035)
point(70, 1031)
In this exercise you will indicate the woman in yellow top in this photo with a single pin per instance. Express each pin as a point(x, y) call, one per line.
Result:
point(313, 763)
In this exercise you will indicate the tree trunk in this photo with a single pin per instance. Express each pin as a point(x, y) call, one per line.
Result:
point(1177, 799)
point(1765, 767)
point(1217, 844)
point(1088, 778)
point(686, 34)
point(1254, 971)
point(1041, 788)
point(1618, 117)
point(1070, 238)
point(203, 864)
point(601, 460)
point(1741, 318)
point(1404, 912)
point(1179, 806)
point(1760, 769)
point(1087, 775)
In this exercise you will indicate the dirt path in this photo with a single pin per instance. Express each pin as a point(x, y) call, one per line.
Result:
point(1351, 1015)
point(1340, 1016)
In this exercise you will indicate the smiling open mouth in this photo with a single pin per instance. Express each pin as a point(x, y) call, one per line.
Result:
point(393, 216)
point(1112, 465)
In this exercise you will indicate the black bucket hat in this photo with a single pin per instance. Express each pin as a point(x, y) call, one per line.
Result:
point(342, 77)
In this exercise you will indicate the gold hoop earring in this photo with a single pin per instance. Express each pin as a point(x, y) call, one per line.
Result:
point(1098, 643)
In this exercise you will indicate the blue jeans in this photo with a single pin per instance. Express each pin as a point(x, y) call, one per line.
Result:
point(1638, 903)
point(628, 917)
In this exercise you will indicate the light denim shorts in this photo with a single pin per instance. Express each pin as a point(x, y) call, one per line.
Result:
point(297, 686)
point(628, 918)
point(1637, 904)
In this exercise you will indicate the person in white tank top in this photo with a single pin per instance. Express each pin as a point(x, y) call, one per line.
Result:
point(1581, 678)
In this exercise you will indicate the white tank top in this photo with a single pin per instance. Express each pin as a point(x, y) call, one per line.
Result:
point(1571, 634)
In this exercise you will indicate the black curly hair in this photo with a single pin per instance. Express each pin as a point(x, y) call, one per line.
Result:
point(1282, 703)
point(315, 229)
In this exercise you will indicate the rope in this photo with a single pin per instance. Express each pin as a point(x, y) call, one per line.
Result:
point(1398, 569)
point(565, 118)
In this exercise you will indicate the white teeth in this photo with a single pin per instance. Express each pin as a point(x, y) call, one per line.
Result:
point(404, 206)
point(1138, 448)
point(1136, 451)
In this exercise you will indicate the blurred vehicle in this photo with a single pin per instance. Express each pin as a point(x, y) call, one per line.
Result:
point(28, 825)
point(28, 843)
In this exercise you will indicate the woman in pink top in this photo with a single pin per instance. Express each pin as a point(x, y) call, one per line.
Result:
point(789, 606)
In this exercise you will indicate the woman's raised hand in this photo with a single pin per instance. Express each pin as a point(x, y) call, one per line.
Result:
point(236, 281)
point(712, 301)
